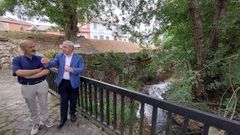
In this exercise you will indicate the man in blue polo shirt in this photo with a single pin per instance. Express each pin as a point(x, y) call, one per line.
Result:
point(31, 74)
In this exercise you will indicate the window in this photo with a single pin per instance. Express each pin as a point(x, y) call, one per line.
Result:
point(95, 37)
point(101, 37)
point(107, 38)
point(95, 26)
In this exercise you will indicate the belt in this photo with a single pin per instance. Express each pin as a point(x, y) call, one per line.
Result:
point(32, 83)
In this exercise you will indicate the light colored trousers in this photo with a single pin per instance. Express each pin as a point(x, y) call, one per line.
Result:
point(33, 92)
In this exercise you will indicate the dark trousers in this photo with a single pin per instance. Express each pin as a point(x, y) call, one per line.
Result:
point(67, 93)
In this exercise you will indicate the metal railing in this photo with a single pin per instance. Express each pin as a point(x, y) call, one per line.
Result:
point(107, 106)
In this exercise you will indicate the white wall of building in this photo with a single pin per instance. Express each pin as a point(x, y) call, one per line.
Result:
point(101, 32)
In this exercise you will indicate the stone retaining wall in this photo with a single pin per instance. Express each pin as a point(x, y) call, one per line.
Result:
point(8, 50)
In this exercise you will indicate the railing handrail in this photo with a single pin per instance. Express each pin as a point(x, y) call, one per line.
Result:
point(204, 117)
point(194, 114)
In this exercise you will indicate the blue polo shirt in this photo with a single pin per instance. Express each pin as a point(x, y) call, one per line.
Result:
point(23, 62)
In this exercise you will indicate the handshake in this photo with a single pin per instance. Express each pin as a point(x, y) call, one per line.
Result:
point(45, 62)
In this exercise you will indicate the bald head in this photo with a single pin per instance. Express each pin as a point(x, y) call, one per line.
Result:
point(28, 47)
point(25, 43)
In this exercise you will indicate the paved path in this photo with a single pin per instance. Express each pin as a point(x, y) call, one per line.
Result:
point(14, 116)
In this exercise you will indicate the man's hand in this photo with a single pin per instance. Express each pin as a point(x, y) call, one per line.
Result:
point(27, 73)
point(37, 75)
point(44, 61)
point(38, 70)
point(68, 69)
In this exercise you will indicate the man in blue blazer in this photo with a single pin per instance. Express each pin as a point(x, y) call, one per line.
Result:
point(70, 66)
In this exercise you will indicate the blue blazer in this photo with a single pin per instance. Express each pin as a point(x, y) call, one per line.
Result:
point(77, 65)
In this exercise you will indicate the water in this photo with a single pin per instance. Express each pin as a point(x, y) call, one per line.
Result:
point(157, 91)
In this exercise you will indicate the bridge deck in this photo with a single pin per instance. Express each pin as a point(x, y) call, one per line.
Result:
point(14, 113)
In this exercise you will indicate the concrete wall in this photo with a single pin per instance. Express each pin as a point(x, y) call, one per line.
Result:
point(17, 27)
point(13, 27)
point(4, 26)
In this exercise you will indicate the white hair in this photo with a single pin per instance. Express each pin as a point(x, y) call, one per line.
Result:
point(69, 43)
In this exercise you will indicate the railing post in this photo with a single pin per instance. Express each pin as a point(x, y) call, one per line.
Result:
point(114, 110)
point(169, 123)
point(122, 116)
point(107, 107)
point(78, 98)
point(154, 120)
point(131, 116)
point(141, 118)
point(205, 129)
point(81, 94)
point(101, 105)
point(90, 98)
point(96, 101)
point(185, 125)
point(86, 96)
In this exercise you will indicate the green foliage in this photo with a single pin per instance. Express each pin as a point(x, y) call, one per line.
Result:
point(7, 5)
point(152, 69)
point(54, 10)
point(142, 55)
point(29, 37)
point(129, 111)
point(112, 61)
point(149, 61)
point(134, 85)
point(66, 14)
point(50, 54)
point(179, 92)
point(174, 27)
point(127, 70)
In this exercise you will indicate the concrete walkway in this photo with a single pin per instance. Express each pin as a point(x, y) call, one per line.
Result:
point(14, 115)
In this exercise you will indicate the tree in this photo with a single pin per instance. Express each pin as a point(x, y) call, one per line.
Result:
point(199, 89)
point(220, 10)
point(201, 37)
point(64, 13)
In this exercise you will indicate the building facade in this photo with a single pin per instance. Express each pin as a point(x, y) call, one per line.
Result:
point(8, 24)
point(99, 31)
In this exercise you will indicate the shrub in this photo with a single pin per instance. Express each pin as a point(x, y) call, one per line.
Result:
point(50, 54)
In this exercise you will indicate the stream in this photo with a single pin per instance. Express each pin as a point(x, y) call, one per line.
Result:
point(157, 91)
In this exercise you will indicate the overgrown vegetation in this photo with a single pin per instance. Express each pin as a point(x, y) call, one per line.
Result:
point(126, 70)
point(200, 41)
point(221, 64)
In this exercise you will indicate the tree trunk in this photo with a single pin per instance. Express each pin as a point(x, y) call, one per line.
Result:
point(71, 28)
point(199, 89)
point(219, 13)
